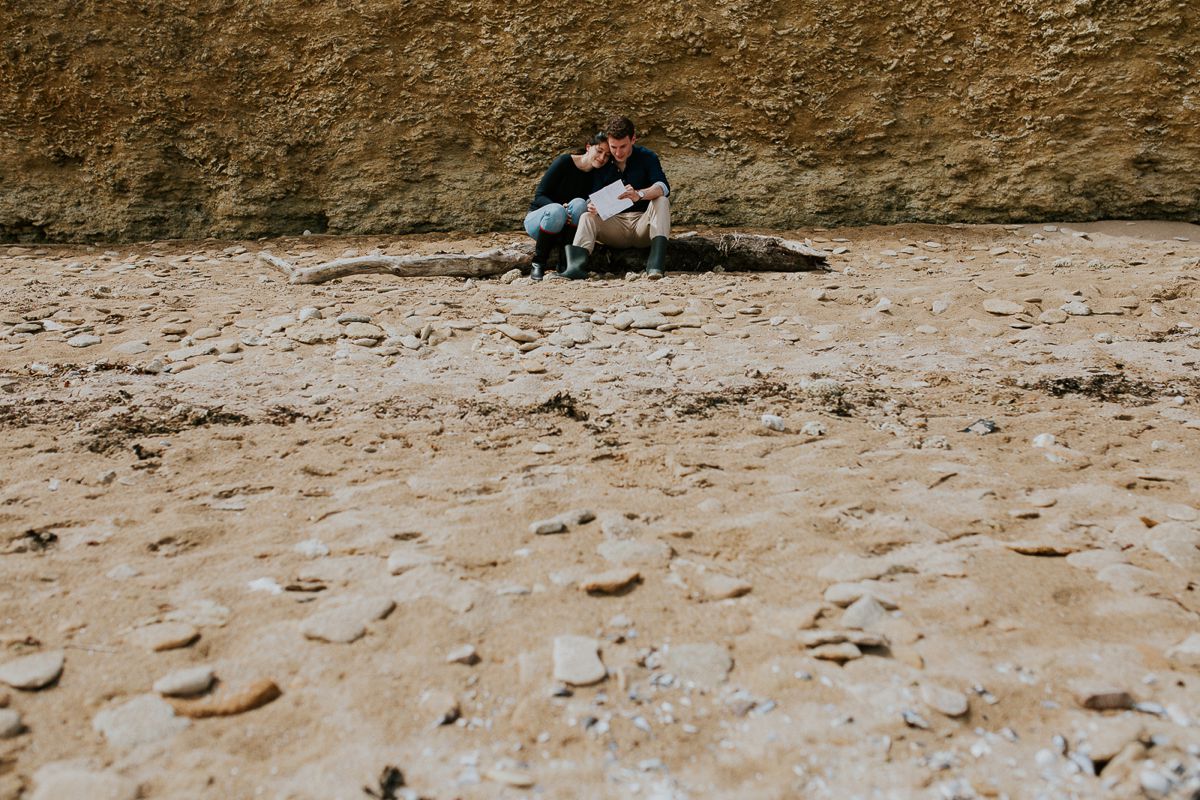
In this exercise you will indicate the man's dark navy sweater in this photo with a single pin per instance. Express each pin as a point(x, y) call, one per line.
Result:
point(642, 170)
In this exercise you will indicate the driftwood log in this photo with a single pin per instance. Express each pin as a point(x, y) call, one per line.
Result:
point(691, 252)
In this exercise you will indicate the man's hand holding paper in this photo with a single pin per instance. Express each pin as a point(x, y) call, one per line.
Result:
point(611, 199)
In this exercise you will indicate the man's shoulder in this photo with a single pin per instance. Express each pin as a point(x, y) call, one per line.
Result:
point(644, 152)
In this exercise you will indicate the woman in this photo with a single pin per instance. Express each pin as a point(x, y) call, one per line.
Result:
point(561, 199)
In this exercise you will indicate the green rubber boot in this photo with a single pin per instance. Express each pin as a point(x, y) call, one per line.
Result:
point(658, 254)
point(577, 259)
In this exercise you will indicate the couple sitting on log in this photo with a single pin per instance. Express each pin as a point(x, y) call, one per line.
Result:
point(561, 214)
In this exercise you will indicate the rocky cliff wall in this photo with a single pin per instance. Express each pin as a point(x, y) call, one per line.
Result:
point(132, 120)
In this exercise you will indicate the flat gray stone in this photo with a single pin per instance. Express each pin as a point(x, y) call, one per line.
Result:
point(314, 332)
point(465, 654)
point(527, 308)
point(185, 682)
point(704, 665)
point(647, 318)
point(1112, 737)
point(83, 340)
point(839, 652)
point(1126, 577)
point(1177, 542)
point(363, 330)
point(10, 723)
point(818, 638)
point(188, 353)
point(519, 335)
point(578, 332)
point(712, 586)
point(1076, 308)
point(610, 582)
point(163, 636)
point(132, 348)
point(945, 701)
point(146, 719)
point(1102, 697)
point(844, 594)
point(33, 671)
point(346, 622)
point(70, 782)
point(1002, 308)
point(401, 561)
point(1186, 653)
point(1095, 560)
point(577, 661)
point(634, 553)
point(864, 614)
point(846, 568)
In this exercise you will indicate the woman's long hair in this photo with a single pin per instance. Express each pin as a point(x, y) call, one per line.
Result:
point(594, 139)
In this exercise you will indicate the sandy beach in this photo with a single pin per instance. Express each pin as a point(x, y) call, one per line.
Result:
point(921, 525)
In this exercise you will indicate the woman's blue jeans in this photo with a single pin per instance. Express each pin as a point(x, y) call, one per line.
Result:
point(553, 218)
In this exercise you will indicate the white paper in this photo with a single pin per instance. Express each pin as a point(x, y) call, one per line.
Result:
point(608, 201)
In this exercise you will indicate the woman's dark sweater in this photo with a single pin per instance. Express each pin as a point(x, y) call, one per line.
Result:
point(562, 183)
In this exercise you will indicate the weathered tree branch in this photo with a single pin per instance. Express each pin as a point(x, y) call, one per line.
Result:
point(689, 252)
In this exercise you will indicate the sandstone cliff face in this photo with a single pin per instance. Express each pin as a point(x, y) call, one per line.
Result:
point(131, 120)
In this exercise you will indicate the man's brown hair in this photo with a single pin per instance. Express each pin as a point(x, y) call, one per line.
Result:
point(619, 127)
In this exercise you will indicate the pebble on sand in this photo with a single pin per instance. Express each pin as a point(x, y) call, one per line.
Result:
point(945, 701)
point(443, 704)
point(146, 719)
point(577, 661)
point(546, 527)
point(83, 340)
point(401, 561)
point(10, 723)
point(185, 682)
point(866, 613)
point(1186, 653)
point(610, 582)
point(508, 777)
point(1002, 308)
point(773, 423)
point(844, 594)
point(1102, 698)
point(62, 780)
point(714, 586)
point(1041, 548)
point(705, 665)
point(347, 621)
point(465, 654)
point(162, 636)
point(33, 671)
point(840, 652)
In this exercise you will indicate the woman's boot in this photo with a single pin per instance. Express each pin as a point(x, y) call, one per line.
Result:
point(541, 253)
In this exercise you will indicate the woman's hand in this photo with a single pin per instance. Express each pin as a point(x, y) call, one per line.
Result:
point(567, 206)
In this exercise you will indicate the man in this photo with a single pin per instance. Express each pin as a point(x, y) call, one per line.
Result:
point(648, 222)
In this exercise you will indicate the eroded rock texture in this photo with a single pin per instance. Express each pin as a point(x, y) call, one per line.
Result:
point(126, 119)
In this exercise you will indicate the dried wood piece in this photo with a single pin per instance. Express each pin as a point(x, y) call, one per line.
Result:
point(254, 696)
point(733, 252)
point(689, 252)
point(459, 265)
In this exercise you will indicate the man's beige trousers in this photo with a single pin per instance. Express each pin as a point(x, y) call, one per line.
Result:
point(631, 229)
